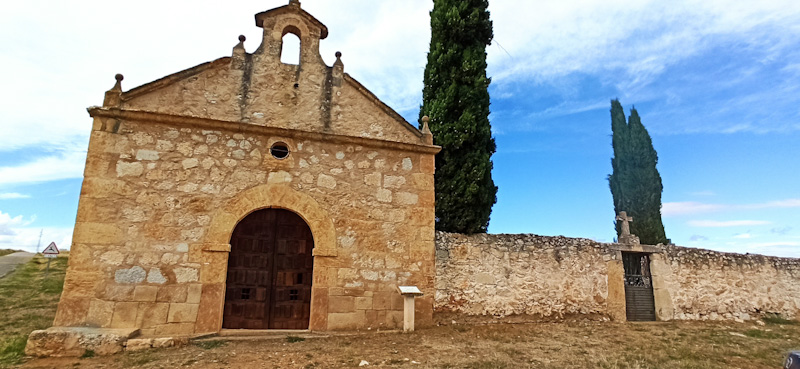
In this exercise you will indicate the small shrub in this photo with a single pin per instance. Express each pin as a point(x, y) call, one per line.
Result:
point(757, 333)
point(12, 349)
point(208, 345)
point(293, 339)
point(87, 354)
point(778, 319)
point(487, 364)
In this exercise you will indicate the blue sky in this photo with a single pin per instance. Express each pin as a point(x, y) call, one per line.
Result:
point(717, 84)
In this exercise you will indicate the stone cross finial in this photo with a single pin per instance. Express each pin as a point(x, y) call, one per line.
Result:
point(625, 229)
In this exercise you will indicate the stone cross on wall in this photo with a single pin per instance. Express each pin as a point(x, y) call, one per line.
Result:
point(625, 228)
point(625, 235)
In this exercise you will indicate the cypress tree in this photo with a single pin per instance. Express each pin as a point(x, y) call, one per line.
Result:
point(635, 182)
point(456, 99)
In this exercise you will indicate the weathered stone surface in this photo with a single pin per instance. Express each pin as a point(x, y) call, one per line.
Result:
point(184, 275)
point(191, 156)
point(155, 276)
point(558, 276)
point(138, 344)
point(74, 342)
point(131, 275)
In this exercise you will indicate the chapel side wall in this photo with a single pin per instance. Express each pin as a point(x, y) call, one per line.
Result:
point(141, 257)
point(521, 274)
point(710, 285)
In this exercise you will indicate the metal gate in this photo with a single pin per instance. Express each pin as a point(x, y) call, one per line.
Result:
point(269, 272)
point(639, 302)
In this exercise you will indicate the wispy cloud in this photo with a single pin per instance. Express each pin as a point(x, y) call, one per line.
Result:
point(774, 244)
point(49, 168)
point(728, 223)
point(692, 207)
point(781, 231)
point(743, 236)
point(697, 237)
point(688, 207)
point(13, 195)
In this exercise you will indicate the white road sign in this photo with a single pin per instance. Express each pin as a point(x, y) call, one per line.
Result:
point(51, 251)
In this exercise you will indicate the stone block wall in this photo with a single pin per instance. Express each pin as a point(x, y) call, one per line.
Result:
point(159, 203)
point(543, 276)
point(175, 164)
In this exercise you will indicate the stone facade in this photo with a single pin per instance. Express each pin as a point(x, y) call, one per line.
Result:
point(555, 277)
point(175, 164)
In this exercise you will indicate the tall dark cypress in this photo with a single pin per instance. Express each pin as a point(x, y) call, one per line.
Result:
point(456, 98)
point(635, 182)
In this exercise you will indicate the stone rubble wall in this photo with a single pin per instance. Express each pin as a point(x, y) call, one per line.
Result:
point(710, 285)
point(544, 276)
point(520, 274)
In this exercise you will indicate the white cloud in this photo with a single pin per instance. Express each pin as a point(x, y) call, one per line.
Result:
point(49, 168)
point(743, 236)
point(27, 238)
point(691, 207)
point(18, 233)
point(729, 223)
point(774, 244)
point(8, 223)
point(13, 195)
point(703, 193)
point(788, 203)
point(555, 38)
point(385, 44)
point(688, 207)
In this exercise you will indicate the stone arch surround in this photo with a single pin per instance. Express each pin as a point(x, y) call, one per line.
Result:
point(216, 246)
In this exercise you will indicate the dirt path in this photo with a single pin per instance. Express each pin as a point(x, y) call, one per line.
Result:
point(10, 262)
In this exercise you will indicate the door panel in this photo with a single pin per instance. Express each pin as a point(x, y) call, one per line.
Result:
point(269, 272)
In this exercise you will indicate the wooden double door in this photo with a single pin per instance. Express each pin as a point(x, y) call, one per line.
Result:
point(269, 272)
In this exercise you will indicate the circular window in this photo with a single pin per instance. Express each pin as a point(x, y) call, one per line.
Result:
point(279, 150)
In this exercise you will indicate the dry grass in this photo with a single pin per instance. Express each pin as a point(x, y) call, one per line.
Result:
point(28, 302)
point(482, 346)
point(4, 252)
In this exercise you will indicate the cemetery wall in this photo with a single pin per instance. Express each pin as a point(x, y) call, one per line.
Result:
point(558, 277)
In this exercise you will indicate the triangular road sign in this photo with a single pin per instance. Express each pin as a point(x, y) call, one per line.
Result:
point(51, 249)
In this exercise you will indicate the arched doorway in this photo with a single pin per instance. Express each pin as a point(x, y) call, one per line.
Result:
point(269, 275)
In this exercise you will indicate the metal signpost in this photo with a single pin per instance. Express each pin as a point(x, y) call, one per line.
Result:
point(50, 252)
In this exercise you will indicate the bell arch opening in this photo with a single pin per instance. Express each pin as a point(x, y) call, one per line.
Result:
point(290, 45)
point(270, 271)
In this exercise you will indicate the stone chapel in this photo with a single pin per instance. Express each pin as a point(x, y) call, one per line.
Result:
point(245, 193)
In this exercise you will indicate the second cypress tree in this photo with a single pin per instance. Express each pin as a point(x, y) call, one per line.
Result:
point(635, 182)
point(456, 98)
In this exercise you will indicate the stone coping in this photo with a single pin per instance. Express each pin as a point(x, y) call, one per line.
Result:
point(209, 123)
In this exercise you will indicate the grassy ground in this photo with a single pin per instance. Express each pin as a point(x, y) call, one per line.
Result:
point(28, 302)
point(4, 252)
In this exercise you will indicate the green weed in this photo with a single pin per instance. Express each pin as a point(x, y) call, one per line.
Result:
point(208, 345)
